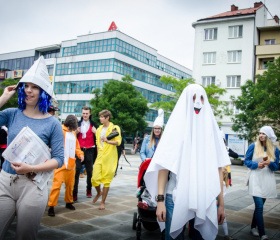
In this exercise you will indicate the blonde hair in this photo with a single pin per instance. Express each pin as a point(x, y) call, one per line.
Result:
point(225, 177)
point(153, 137)
point(270, 149)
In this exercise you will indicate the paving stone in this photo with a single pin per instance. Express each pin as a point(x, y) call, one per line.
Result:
point(103, 222)
point(53, 234)
point(115, 222)
point(55, 221)
point(79, 228)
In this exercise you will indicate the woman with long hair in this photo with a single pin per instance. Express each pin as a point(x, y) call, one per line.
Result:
point(262, 158)
point(150, 142)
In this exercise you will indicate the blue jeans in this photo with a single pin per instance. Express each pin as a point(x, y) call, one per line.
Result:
point(257, 220)
point(169, 204)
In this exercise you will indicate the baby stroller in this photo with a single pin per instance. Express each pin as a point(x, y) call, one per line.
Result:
point(146, 214)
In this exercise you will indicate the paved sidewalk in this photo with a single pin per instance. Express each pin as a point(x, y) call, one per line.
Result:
point(115, 223)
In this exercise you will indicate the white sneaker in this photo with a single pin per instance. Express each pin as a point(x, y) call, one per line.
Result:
point(255, 232)
point(264, 237)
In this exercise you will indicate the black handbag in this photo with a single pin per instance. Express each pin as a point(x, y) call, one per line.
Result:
point(112, 135)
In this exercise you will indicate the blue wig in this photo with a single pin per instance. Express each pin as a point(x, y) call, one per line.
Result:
point(44, 99)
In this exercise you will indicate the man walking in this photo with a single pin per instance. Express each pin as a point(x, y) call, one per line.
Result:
point(86, 137)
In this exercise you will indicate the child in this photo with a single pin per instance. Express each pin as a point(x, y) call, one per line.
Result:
point(66, 173)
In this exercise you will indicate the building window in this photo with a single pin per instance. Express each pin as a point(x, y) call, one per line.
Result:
point(210, 34)
point(234, 56)
point(269, 42)
point(234, 110)
point(235, 31)
point(233, 81)
point(206, 81)
point(264, 62)
point(209, 58)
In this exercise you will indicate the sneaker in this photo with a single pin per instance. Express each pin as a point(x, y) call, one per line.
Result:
point(75, 198)
point(89, 195)
point(70, 206)
point(51, 212)
point(264, 237)
point(254, 232)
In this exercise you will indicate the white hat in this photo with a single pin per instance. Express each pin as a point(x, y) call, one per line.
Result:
point(268, 131)
point(38, 74)
point(160, 119)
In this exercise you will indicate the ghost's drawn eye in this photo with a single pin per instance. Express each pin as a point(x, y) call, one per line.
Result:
point(202, 99)
point(194, 97)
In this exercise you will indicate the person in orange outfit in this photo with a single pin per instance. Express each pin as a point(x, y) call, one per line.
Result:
point(66, 173)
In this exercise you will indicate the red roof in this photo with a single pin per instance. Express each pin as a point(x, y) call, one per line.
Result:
point(237, 12)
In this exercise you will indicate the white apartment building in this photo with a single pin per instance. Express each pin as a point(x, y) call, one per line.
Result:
point(224, 53)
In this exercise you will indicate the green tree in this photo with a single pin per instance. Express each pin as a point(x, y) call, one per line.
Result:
point(127, 105)
point(259, 103)
point(167, 103)
point(13, 101)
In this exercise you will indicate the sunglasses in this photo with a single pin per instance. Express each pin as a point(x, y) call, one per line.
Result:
point(157, 128)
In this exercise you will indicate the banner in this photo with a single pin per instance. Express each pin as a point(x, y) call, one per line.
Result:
point(17, 74)
point(2, 74)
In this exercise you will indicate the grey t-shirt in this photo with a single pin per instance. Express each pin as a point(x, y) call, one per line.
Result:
point(48, 129)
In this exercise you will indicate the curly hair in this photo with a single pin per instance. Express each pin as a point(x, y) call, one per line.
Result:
point(71, 122)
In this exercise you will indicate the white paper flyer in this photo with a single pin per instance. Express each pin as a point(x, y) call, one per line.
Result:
point(27, 147)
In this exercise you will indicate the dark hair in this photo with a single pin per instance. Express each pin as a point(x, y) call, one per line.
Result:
point(71, 122)
point(105, 113)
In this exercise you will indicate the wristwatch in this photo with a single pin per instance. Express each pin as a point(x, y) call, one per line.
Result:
point(159, 198)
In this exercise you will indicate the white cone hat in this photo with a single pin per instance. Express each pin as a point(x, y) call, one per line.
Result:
point(38, 74)
point(160, 119)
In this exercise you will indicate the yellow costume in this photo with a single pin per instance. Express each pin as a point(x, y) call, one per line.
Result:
point(107, 158)
point(65, 175)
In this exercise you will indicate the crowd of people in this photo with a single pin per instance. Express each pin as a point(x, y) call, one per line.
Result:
point(187, 177)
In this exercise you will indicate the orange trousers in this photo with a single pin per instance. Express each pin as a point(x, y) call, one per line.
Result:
point(66, 176)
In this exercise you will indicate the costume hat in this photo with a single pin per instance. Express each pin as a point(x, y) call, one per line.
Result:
point(268, 131)
point(160, 119)
point(38, 74)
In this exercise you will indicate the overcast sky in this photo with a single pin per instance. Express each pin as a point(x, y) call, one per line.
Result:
point(165, 25)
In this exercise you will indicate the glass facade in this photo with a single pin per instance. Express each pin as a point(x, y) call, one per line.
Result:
point(82, 87)
point(72, 106)
point(78, 86)
point(110, 65)
point(16, 64)
point(115, 44)
point(51, 54)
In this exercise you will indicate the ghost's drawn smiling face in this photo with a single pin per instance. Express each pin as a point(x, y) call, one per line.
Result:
point(198, 102)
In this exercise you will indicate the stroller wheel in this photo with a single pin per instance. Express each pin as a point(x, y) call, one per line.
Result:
point(138, 230)
point(134, 221)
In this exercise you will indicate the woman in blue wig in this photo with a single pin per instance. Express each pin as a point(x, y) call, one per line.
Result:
point(19, 196)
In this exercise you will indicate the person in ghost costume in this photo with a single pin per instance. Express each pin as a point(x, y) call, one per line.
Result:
point(150, 142)
point(262, 158)
point(19, 196)
point(191, 154)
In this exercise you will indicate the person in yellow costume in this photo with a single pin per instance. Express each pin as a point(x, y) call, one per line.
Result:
point(107, 157)
point(66, 174)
